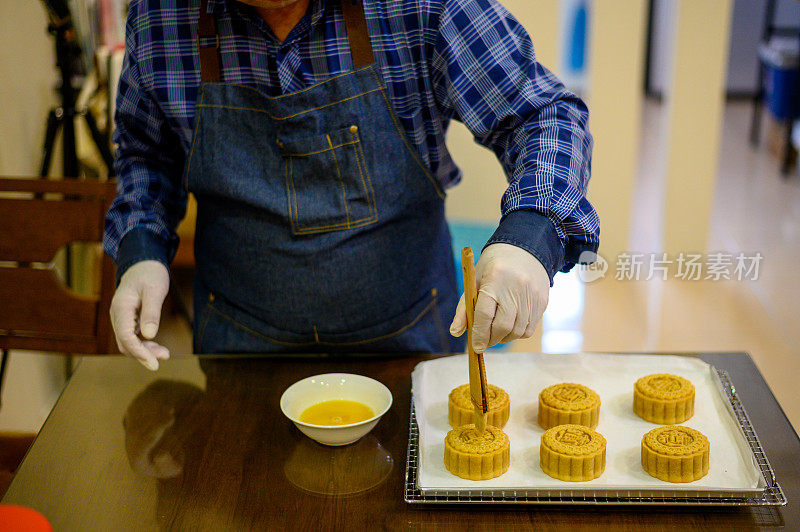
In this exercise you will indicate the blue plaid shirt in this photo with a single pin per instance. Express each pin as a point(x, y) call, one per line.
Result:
point(468, 60)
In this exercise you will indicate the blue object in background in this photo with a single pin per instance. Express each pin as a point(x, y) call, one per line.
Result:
point(577, 47)
point(474, 235)
point(782, 86)
point(780, 59)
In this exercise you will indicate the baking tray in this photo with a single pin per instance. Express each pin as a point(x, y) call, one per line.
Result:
point(772, 494)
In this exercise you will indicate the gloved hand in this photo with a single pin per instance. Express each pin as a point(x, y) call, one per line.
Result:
point(136, 308)
point(513, 289)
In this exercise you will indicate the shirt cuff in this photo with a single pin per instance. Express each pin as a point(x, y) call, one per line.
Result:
point(140, 244)
point(536, 234)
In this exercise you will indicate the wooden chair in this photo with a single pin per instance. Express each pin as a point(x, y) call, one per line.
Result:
point(37, 311)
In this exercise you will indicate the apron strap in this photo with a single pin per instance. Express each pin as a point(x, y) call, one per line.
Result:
point(209, 55)
point(357, 33)
point(355, 23)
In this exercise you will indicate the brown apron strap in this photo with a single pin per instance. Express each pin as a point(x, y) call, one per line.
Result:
point(209, 55)
point(357, 33)
point(355, 23)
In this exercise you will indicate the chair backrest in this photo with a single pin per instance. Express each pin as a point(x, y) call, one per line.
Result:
point(37, 217)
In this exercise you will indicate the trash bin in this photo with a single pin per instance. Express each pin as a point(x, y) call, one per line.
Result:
point(780, 57)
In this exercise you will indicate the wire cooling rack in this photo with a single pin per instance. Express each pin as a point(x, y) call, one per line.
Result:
point(771, 496)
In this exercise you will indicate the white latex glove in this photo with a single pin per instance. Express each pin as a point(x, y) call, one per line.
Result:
point(513, 289)
point(136, 308)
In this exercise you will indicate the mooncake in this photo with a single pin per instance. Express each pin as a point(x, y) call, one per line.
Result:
point(573, 452)
point(675, 454)
point(568, 403)
point(460, 410)
point(663, 398)
point(474, 456)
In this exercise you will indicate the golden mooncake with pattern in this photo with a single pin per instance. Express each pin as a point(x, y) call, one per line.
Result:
point(568, 403)
point(461, 412)
point(474, 456)
point(675, 454)
point(574, 453)
point(663, 398)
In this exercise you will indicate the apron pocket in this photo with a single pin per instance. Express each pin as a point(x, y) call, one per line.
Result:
point(328, 187)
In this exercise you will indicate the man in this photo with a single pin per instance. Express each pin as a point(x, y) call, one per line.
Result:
point(312, 135)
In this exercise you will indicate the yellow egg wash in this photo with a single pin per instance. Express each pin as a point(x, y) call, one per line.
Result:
point(336, 412)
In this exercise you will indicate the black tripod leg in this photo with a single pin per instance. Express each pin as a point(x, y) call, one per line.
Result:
point(49, 139)
point(100, 141)
point(68, 138)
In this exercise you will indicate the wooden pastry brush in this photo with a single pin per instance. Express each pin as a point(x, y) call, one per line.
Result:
point(477, 371)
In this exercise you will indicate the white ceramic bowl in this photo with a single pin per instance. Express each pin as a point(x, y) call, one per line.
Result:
point(331, 386)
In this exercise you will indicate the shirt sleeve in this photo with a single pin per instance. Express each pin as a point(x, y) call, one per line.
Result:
point(486, 75)
point(141, 221)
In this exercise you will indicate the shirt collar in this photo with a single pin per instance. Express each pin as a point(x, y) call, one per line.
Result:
point(317, 8)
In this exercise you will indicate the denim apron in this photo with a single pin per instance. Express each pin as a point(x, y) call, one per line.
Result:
point(319, 228)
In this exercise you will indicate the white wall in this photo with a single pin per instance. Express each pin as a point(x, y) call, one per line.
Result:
point(27, 67)
point(27, 63)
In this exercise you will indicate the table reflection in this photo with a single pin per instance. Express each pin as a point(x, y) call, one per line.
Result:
point(225, 455)
point(156, 427)
point(346, 470)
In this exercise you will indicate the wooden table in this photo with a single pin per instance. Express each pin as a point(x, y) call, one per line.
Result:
point(202, 445)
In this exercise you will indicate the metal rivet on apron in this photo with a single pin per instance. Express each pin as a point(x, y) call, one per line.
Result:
point(353, 129)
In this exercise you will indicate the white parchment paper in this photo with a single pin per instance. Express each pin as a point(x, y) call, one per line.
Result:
point(523, 375)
